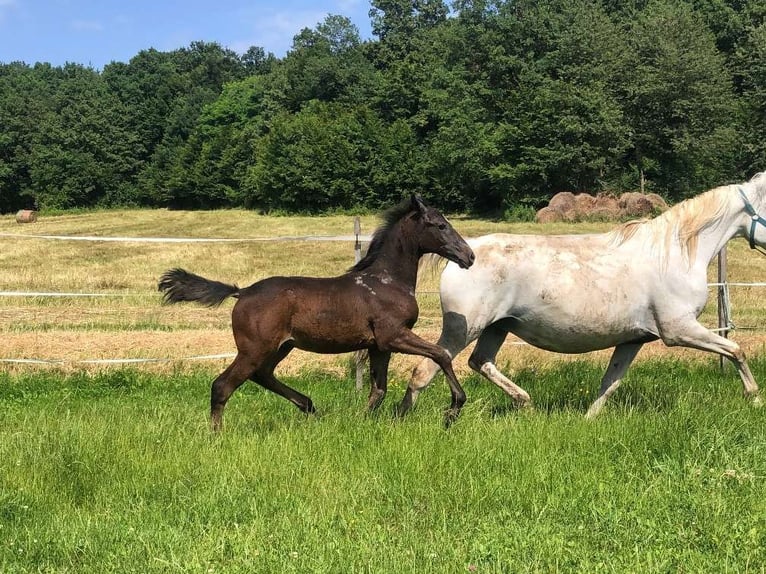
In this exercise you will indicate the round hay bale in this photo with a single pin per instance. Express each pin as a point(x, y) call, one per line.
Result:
point(562, 201)
point(584, 202)
point(548, 215)
point(604, 203)
point(635, 204)
point(657, 202)
point(26, 216)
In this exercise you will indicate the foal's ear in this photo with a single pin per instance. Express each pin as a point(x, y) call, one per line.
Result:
point(417, 203)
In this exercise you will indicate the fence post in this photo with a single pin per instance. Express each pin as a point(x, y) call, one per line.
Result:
point(723, 299)
point(358, 355)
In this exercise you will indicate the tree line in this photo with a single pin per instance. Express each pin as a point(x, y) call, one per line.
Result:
point(486, 106)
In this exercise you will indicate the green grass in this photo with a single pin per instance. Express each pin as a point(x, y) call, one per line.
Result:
point(117, 472)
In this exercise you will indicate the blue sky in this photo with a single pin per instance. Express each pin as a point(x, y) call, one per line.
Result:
point(96, 32)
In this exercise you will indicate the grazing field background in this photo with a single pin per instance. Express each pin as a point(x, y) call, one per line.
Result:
point(113, 469)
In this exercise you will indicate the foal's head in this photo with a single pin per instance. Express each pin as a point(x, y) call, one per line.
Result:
point(436, 235)
point(422, 226)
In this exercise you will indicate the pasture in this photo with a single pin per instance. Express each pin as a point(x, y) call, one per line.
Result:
point(113, 469)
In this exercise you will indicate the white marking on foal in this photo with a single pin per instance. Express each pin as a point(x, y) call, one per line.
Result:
point(359, 281)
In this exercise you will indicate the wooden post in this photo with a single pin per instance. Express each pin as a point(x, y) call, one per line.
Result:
point(359, 355)
point(723, 299)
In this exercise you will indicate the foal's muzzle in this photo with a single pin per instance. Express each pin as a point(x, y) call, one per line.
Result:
point(464, 258)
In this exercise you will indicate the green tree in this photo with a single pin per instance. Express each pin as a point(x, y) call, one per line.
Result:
point(327, 64)
point(22, 109)
point(63, 143)
point(213, 163)
point(533, 108)
point(328, 156)
point(405, 54)
point(750, 66)
point(679, 101)
point(164, 94)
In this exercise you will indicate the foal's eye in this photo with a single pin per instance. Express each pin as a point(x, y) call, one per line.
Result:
point(442, 226)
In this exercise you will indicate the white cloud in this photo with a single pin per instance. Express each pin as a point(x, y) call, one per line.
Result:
point(345, 6)
point(5, 7)
point(87, 25)
point(275, 32)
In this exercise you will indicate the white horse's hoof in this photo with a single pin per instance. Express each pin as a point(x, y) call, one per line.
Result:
point(757, 401)
point(594, 410)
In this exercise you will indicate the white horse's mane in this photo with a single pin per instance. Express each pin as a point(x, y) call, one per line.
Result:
point(686, 220)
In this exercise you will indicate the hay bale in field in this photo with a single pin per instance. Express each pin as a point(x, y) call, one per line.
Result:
point(563, 201)
point(607, 204)
point(548, 215)
point(634, 204)
point(26, 216)
point(602, 213)
point(657, 202)
point(567, 206)
point(584, 203)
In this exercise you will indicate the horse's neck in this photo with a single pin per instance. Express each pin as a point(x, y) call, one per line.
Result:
point(399, 257)
point(713, 238)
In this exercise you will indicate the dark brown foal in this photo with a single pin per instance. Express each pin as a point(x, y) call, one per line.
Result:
point(372, 306)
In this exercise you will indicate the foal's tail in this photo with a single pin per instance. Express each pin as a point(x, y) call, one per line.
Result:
point(179, 285)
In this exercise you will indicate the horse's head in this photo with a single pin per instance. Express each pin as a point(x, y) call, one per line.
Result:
point(436, 235)
point(753, 197)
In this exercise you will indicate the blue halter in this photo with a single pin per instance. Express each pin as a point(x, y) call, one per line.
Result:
point(754, 220)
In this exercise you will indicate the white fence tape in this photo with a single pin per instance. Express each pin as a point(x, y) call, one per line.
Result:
point(75, 294)
point(59, 362)
point(188, 239)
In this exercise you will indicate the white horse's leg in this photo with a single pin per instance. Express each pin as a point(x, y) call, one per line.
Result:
point(697, 336)
point(622, 357)
point(482, 361)
point(454, 338)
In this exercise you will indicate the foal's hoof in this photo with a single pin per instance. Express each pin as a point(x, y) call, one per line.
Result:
point(401, 410)
point(450, 416)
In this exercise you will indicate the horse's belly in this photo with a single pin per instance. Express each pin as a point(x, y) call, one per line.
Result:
point(573, 337)
point(337, 341)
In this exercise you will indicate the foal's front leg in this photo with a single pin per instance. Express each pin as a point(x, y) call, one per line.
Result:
point(378, 377)
point(407, 342)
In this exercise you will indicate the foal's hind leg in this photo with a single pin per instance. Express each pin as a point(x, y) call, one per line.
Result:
point(268, 381)
point(379, 377)
point(622, 357)
point(264, 376)
point(224, 385)
point(482, 360)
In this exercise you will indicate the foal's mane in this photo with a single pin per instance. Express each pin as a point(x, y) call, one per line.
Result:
point(682, 222)
point(390, 218)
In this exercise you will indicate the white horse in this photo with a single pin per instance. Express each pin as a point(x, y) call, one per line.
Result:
point(643, 281)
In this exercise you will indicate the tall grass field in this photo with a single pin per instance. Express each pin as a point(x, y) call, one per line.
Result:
point(117, 472)
point(112, 469)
